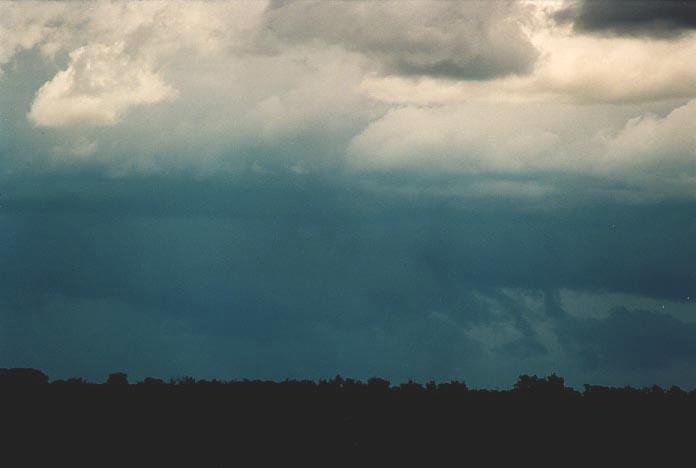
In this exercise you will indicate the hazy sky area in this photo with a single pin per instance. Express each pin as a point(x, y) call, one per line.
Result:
point(415, 190)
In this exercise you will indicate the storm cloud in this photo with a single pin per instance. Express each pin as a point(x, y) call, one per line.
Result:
point(277, 277)
point(418, 190)
point(458, 40)
point(656, 18)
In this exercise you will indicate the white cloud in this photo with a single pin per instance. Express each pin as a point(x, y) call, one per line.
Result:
point(467, 138)
point(358, 83)
point(117, 49)
point(657, 154)
point(595, 69)
point(100, 84)
point(657, 141)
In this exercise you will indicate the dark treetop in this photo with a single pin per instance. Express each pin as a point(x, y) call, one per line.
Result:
point(188, 422)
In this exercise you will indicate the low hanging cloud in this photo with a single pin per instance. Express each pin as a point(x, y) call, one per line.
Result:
point(633, 340)
point(457, 40)
point(662, 19)
point(99, 86)
point(220, 280)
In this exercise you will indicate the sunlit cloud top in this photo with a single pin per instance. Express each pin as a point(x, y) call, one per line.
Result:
point(501, 87)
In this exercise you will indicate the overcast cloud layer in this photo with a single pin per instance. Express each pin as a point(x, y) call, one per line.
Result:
point(413, 189)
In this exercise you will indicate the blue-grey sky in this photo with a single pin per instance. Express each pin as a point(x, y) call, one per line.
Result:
point(415, 190)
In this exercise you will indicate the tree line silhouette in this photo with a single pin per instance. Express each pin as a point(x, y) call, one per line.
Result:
point(335, 422)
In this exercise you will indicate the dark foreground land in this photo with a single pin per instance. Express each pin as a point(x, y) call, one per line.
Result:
point(338, 423)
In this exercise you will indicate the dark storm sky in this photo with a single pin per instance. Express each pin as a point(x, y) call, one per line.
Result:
point(431, 191)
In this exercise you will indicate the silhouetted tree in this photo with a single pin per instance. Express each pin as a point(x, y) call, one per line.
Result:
point(533, 385)
point(76, 381)
point(377, 384)
point(187, 380)
point(22, 376)
point(117, 378)
point(152, 381)
point(189, 422)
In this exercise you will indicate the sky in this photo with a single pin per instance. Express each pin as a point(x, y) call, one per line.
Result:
point(295, 189)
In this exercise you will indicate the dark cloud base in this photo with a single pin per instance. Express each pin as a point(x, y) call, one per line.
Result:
point(308, 277)
point(656, 18)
